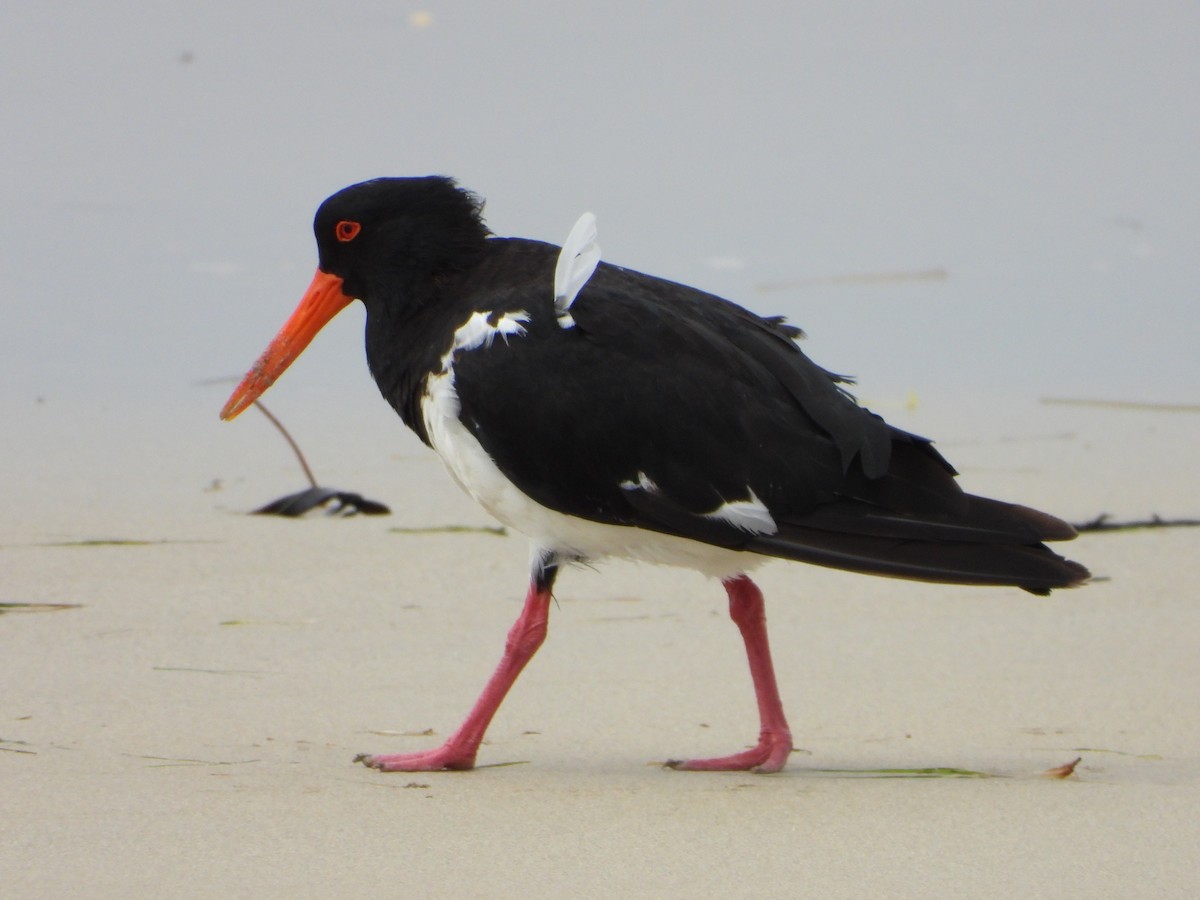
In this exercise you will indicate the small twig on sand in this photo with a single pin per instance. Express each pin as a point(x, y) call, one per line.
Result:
point(295, 505)
point(295, 447)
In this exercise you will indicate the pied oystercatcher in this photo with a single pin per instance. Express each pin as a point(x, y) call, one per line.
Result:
point(605, 412)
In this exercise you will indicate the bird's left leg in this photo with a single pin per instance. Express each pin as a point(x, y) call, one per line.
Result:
point(770, 754)
point(524, 639)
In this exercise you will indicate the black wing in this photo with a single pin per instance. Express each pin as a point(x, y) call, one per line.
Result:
point(662, 403)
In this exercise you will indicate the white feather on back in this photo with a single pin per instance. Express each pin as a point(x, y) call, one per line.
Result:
point(577, 261)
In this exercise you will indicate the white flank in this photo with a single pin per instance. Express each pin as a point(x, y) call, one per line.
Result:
point(749, 515)
point(577, 261)
point(572, 538)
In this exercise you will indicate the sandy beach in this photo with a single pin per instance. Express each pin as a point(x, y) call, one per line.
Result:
point(189, 728)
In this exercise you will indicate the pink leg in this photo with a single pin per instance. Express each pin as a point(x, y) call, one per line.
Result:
point(524, 638)
point(770, 754)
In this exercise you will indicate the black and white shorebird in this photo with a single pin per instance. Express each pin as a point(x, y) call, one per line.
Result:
point(607, 413)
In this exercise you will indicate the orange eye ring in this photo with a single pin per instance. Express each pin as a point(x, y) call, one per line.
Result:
point(346, 230)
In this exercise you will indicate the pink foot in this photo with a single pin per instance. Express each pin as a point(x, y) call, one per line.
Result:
point(459, 751)
point(769, 755)
point(445, 757)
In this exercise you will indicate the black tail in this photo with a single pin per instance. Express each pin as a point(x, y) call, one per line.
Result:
point(984, 542)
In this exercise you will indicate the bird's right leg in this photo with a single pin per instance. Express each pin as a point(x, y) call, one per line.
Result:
point(524, 639)
point(774, 745)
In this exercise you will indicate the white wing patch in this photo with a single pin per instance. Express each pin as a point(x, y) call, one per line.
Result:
point(481, 329)
point(749, 515)
point(643, 483)
point(577, 261)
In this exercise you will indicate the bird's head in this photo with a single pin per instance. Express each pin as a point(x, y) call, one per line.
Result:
point(380, 241)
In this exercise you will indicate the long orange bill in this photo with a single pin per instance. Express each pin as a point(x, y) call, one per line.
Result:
point(323, 300)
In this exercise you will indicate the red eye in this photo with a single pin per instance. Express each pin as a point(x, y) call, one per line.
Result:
point(346, 230)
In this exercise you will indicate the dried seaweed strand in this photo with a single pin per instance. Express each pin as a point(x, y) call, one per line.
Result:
point(295, 447)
